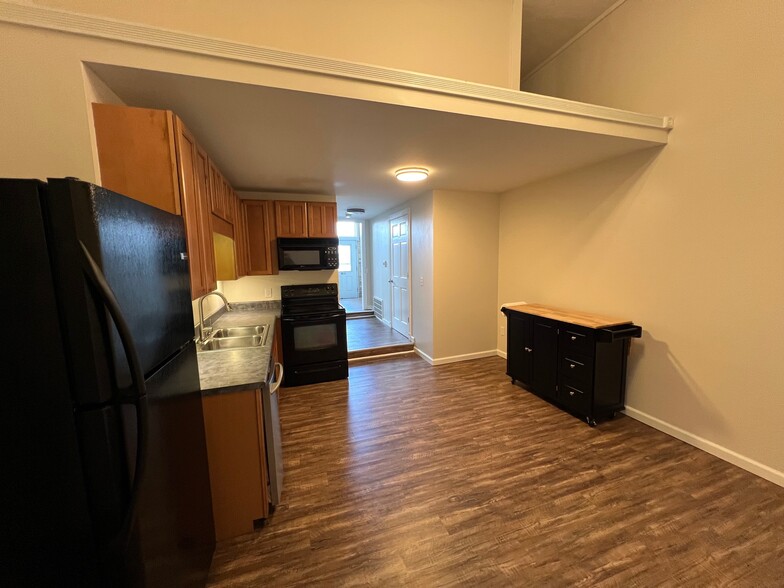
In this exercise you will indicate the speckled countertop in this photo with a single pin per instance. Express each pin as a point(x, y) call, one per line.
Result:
point(229, 370)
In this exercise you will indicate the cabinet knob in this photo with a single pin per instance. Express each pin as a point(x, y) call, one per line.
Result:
point(571, 392)
point(528, 349)
point(571, 365)
point(574, 338)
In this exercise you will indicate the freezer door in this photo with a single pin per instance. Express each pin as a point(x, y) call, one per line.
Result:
point(141, 252)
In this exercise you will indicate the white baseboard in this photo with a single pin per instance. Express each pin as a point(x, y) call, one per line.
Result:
point(500, 353)
point(728, 455)
point(423, 355)
point(455, 358)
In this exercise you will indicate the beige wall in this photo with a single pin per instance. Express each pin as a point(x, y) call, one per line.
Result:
point(475, 40)
point(689, 243)
point(422, 264)
point(465, 272)
point(252, 288)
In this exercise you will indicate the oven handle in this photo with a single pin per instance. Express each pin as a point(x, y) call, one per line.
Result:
point(312, 318)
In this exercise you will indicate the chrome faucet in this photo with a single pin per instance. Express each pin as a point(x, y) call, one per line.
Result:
point(201, 311)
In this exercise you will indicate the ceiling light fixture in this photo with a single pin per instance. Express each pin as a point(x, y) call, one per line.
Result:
point(412, 174)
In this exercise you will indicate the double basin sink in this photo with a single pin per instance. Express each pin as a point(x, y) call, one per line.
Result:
point(234, 338)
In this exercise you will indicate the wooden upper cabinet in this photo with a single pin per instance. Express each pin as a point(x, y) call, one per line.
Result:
point(137, 154)
point(322, 219)
point(291, 218)
point(151, 156)
point(241, 237)
point(205, 220)
point(221, 201)
point(260, 237)
point(191, 191)
point(306, 219)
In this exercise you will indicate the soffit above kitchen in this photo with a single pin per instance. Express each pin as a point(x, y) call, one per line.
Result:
point(269, 139)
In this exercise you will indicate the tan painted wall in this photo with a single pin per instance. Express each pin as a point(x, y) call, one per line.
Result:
point(476, 40)
point(422, 264)
point(465, 279)
point(688, 244)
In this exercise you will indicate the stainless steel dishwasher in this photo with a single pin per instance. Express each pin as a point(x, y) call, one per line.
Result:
point(272, 430)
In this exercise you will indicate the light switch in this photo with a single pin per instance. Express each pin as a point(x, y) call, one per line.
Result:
point(267, 292)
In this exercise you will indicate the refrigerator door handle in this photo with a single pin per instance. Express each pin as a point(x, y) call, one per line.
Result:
point(139, 399)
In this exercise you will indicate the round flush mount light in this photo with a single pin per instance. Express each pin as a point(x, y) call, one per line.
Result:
point(412, 174)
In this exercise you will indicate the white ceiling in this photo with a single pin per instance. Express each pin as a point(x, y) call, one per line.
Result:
point(274, 140)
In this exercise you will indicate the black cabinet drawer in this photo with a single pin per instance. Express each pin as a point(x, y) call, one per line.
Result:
point(574, 341)
point(574, 397)
point(617, 332)
point(577, 368)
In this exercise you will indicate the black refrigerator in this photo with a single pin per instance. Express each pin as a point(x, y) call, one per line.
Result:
point(103, 456)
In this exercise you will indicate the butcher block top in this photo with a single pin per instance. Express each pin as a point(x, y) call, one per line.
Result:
point(584, 319)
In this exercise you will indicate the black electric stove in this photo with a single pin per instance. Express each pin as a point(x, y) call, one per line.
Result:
point(313, 326)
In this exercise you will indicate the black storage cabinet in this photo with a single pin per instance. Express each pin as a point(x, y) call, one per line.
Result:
point(580, 369)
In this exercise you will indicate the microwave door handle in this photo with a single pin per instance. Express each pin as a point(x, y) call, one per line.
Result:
point(139, 399)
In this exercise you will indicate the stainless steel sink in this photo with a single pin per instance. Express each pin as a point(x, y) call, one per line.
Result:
point(230, 343)
point(238, 332)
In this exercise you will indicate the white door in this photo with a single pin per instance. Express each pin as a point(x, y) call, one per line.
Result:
point(348, 268)
point(399, 236)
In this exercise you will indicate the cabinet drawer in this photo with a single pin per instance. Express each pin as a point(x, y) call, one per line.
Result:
point(578, 368)
point(575, 397)
point(574, 341)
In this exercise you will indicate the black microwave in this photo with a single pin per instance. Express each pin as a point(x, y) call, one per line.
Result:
point(313, 253)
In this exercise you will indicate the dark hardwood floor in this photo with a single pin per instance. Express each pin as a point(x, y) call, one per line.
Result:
point(412, 475)
point(367, 333)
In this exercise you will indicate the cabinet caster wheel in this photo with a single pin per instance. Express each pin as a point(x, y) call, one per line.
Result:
point(591, 422)
point(513, 380)
point(612, 415)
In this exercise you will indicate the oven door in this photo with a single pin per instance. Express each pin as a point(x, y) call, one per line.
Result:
point(314, 338)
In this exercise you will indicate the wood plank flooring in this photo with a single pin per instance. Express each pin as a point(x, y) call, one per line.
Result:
point(412, 475)
point(366, 333)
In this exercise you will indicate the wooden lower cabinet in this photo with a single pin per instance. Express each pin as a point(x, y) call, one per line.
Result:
point(236, 452)
point(577, 362)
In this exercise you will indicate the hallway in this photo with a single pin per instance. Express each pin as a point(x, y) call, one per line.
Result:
point(370, 333)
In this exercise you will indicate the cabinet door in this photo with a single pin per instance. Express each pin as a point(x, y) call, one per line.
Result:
point(322, 219)
point(205, 221)
point(222, 202)
point(291, 219)
point(236, 453)
point(240, 236)
point(519, 347)
point(544, 378)
point(261, 237)
point(137, 154)
point(190, 182)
